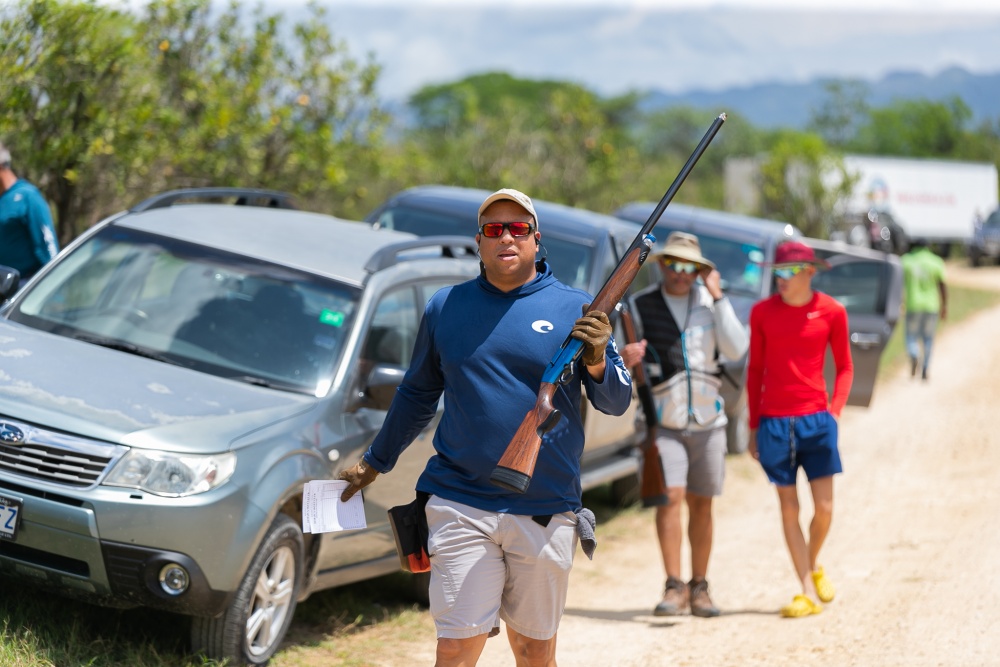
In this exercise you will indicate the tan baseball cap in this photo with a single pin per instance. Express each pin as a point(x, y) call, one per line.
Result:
point(510, 194)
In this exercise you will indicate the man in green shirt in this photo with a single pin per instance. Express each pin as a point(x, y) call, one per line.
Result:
point(926, 301)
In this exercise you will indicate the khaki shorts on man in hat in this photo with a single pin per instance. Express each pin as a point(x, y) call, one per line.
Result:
point(688, 323)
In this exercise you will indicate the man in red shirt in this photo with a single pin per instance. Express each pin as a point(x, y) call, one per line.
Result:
point(793, 424)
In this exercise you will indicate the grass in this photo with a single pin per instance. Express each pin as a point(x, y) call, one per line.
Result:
point(338, 627)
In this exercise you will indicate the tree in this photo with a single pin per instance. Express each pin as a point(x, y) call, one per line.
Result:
point(73, 89)
point(842, 112)
point(104, 108)
point(557, 140)
point(803, 183)
point(914, 128)
point(253, 104)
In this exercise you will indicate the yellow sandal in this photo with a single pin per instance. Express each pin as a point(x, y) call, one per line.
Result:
point(824, 588)
point(801, 606)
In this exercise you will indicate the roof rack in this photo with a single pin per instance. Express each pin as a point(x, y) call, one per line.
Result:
point(243, 197)
point(451, 246)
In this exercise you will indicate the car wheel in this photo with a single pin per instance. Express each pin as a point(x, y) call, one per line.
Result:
point(251, 629)
point(738, 432)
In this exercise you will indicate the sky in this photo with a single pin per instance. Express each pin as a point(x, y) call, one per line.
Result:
point(618, 46)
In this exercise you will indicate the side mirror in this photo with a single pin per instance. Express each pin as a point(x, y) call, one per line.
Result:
point(10, 279)
point(383, 380)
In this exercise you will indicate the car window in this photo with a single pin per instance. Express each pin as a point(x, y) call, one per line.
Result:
point(740, 265)
point(425, 223)
point(394, 328)
point(993, 222)
point(851, 284)
point(203, 308)
point(571, 261)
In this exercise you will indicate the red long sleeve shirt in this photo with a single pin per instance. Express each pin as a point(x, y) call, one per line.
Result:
point(787, 351)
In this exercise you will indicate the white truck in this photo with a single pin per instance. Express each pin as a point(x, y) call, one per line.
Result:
point(935, 200)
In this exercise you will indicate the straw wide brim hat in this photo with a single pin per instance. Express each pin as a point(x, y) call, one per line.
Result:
point(685, 247)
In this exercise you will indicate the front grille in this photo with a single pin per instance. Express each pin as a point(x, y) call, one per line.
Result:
point(37, 453)
point(53, 464)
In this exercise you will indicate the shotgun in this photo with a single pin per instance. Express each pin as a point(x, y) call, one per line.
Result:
point(514, 470)
point(653, 489)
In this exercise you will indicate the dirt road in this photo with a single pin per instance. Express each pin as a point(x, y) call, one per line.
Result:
point(914, 550)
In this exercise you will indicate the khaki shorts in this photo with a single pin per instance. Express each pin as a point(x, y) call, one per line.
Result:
point(486, 566)
point(694, 459)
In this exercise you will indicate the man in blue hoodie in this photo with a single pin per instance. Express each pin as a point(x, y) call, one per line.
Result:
point(27, 235)
point(484, 345)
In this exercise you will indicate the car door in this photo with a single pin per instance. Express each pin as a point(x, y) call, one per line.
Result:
point(869, 284)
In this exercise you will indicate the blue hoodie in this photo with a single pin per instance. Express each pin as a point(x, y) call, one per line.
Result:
point(486, 351)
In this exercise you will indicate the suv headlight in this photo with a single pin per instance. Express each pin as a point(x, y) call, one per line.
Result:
point(168, 474)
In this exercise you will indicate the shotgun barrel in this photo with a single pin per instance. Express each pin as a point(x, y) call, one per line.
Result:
point(514, 470)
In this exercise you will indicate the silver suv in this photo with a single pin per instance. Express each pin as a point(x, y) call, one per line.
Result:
point(172, 380)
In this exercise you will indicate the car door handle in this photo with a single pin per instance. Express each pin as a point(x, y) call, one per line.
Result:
point(866, 341)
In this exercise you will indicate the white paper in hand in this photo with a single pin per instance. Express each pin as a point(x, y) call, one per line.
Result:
point(323, 512)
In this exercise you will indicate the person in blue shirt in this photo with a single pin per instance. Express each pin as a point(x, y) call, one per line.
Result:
point(27, 235)
point(484, 345)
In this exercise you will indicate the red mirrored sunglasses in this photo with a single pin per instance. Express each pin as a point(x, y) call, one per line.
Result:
point(494, 230)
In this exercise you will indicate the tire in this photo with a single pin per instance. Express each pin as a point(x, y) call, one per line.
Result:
point(251, 629)
point(738, 431)
point(975, 257)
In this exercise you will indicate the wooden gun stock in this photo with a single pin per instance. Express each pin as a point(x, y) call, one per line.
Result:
point(514, 470)
point(653, 487)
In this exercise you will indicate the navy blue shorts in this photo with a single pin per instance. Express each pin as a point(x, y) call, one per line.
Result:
point(786, 443)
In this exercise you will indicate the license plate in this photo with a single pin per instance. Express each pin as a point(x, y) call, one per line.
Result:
point(10, 513)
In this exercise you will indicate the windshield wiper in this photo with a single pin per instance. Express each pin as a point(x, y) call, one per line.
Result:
point(258, 381)
point(122, 346)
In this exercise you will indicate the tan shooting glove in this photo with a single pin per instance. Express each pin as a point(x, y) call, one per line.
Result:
point(594, 329)
point(359, 476)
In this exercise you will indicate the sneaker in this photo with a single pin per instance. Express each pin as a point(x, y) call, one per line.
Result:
point(675, 599)
point(824, 587)
point(701, 603)
point(801, 606)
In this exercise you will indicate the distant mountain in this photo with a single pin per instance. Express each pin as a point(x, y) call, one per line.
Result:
point(771, 105)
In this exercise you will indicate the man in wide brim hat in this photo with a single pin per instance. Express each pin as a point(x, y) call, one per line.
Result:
point(688, 326)
point(684, 247)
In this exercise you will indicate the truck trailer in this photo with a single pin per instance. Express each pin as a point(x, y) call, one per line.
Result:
point(939, 201)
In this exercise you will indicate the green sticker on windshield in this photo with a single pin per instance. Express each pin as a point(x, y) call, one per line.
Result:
point(331, 317)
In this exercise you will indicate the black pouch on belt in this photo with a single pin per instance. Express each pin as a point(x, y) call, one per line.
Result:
point(409, 528)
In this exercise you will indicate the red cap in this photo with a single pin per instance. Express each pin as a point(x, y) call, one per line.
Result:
point(793, 252)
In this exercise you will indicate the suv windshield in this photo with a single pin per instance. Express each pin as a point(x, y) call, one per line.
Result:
point(216, 312)
point(571, 261)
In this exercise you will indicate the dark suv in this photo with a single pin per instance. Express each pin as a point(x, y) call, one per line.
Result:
point(173, 379)
point(985, 243)
point(867, 282)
